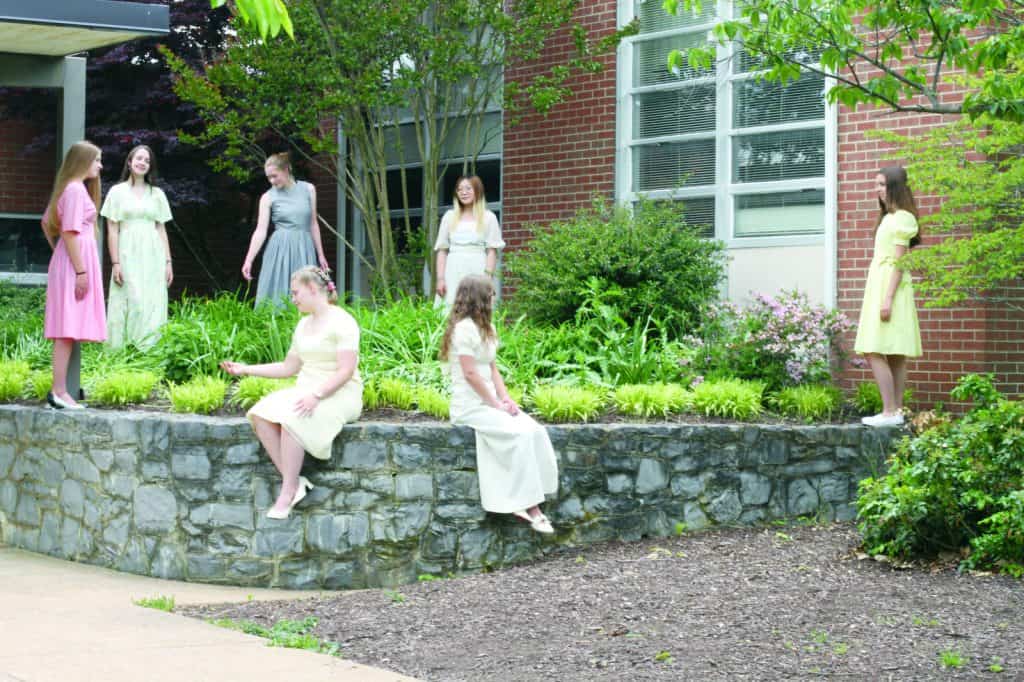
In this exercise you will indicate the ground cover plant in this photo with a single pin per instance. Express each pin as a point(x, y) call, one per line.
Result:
point(958, 487)
point(599, 365)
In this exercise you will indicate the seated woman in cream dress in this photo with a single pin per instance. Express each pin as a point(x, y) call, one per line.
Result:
point(327, 394)
point(467, 240)
point(514, 458)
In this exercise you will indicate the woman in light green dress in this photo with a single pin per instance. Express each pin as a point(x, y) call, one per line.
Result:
point(140, 255)
point(888, 332)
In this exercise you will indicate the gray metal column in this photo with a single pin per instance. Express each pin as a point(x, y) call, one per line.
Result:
point(72, 100)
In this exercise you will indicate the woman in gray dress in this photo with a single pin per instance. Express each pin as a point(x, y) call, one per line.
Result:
point(291, 205)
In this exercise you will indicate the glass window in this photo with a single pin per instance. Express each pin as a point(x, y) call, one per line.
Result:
point(23, 247)
point(671, 165)
point(762, 215)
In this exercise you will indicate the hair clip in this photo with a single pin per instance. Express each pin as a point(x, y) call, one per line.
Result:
point(330, 286)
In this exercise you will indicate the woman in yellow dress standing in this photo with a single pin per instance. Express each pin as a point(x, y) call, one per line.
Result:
point(140, 255)
point(327, 394)
point(888, 332)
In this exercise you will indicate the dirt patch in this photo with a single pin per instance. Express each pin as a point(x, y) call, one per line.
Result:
point(771, 603)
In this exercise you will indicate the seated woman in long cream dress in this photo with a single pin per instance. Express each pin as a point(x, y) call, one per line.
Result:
point(514, 458)
point(328, 392)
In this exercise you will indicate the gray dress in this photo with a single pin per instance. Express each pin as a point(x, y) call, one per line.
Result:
point(291, 245)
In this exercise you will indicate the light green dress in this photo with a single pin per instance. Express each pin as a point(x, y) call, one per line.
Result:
point(137, 308)
point(900, 335)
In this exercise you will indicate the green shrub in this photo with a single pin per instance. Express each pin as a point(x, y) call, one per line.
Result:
point(558, 403)
point(395, 393)
point(732, 398)
point(41, 381)
point(956, 486)
point(868, 398)
point(13, 379)
point(809, 402)
point(371, 395)
point(21, 317)
point(250, 390)
point(650, 400)
point(431, 401)
point(123, 387)
point(201, 395)
point(659, 266)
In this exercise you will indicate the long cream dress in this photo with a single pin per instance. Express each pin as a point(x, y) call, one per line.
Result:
point(138, 307)
point(514, 458)
point(319, 355)
point(467, 249)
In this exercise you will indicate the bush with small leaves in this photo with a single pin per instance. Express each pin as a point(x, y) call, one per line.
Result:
point(250, 390)
point(123, 387)
point(201, 395)
point(809, 402)
point(41, 381)
point(13, 379)
point(558, 403)
point(431, 401)
point(731, 398)
point(651, 400)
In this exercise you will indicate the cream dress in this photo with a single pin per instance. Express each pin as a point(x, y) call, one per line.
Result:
point(514, 458)
point(467, 249)
point(319, 355)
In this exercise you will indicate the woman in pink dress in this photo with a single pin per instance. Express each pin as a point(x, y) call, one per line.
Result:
point(74, 286)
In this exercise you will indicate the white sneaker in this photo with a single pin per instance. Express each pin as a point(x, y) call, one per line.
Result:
point(883, 420)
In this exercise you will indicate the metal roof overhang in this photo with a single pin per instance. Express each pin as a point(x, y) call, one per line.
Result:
point(57, 28)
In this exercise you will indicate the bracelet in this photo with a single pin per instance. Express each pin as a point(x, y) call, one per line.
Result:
point(80, 273)
point(114, 262)
point(168, 261)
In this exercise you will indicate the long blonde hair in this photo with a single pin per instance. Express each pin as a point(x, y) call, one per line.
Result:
point(76, 164)
point(473, 299)
point(479, 202)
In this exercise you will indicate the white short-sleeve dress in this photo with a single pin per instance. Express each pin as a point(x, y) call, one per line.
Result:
point(319, 355)
point(467, 249)
point(514, 458)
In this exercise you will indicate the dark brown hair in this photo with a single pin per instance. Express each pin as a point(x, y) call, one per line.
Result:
point(897, 196)
point(150, 177)
point(473, 299)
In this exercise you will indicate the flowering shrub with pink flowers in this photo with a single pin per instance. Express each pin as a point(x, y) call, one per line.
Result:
point(782, 340)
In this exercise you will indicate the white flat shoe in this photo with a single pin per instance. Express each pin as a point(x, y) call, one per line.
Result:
point(883, 420)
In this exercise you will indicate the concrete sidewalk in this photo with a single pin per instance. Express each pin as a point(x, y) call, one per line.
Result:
point(71, 622)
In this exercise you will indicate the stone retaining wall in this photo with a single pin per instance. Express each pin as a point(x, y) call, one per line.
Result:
point(184, 496)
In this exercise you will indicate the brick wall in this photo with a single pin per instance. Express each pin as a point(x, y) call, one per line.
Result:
point(553, 165)
point(25, 180)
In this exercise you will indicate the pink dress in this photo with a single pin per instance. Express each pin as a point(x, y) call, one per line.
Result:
point(67, 317)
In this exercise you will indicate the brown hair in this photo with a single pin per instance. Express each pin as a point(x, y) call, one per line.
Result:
point(897, 197)
point(77, 161)
point(281, 161)
point(150, 177)
point(479, 201)
point(311, 274)
point(473, 299)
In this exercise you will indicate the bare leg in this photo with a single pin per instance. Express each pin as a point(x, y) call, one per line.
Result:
point(61, 358)
point(269, 434)
point(291, 456)
point(898, 365)
point(883, 377)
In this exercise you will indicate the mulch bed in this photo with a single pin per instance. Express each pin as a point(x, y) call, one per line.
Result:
point(793, 602)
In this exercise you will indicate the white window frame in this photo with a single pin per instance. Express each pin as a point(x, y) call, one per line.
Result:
point(725, 190)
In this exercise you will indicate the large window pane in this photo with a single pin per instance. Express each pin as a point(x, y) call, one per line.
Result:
point(489, 172)
point(758, 103)
point(650, 61)
point(673, 165)
point(779, 156)
point(413, 186)
point(762, 215)
point(653, 17)
point(674, 112)
point(23, 247)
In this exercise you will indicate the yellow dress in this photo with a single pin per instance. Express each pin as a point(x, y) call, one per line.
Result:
point(515, 462)
point(467, 250)
point(900, 335)
point(319, 355)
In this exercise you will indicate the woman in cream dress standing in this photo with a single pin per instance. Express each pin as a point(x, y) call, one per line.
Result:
point(327, 394)
point(140, 255)
point(467, 240)
point(514, 458)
